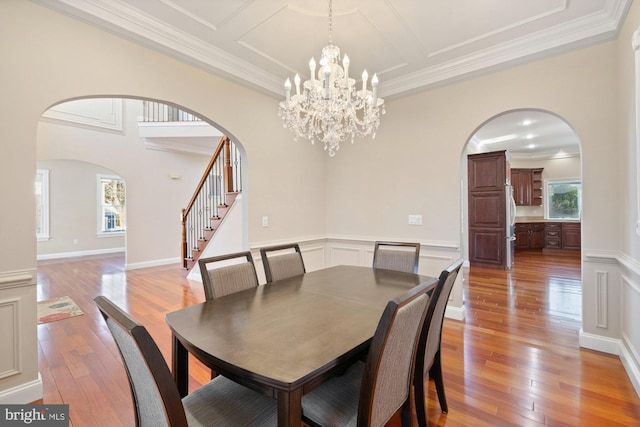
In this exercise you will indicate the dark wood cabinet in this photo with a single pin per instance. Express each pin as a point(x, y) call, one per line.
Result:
point(571, 236)
point(552, 235)
point(527, 186)
point(529, 235)
point(487, 173)
point(562, 235)
point(536, 187)
point(521, 183)
point(522, 236)
point(536, 239)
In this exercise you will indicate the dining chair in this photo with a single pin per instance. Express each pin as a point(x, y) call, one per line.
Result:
point(283, 264)
point(428, 359)
point(227, 279)
point(371, 393)
point(399, 256)
point(155, 395)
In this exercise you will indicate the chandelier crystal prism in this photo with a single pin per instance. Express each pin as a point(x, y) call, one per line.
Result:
point(329, 107)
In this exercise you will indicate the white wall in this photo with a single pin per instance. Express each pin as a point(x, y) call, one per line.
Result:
point(73, 219)
point(363, 194)
point(628, 278)
point(154, 200)
point(58, 59)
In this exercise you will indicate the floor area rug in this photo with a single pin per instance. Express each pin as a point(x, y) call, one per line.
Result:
point(57, 309)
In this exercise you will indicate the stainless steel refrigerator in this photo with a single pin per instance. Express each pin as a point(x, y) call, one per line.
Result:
point(510, 222)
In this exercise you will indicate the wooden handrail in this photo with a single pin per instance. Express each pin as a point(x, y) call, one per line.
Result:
point(218, 180)
point(223, 141)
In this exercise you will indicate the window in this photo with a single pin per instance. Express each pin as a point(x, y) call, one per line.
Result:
point(563, 199)
point(111, 205)
point(42, 204)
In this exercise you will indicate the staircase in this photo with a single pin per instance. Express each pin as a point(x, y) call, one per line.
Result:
point(216, 192)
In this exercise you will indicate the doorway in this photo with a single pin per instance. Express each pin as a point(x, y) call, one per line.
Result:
point(82, 139)
point(536, 140)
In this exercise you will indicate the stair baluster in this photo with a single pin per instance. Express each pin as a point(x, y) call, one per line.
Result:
point(221, 178)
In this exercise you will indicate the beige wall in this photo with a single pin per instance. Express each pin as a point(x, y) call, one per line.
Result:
point(54, 58)
point(364, 193)
point(154, 200)
point(629, 295)
point(73, 201)
point(414, 164)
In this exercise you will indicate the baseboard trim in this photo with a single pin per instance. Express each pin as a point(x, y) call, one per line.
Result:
point(154, 263)
point(23, 393)
point(42, 257)
point(455, 313)
point(600, 343)
point(631, 362)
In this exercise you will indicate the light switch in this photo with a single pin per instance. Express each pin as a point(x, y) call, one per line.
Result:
point(265, 221)
point(415, 219)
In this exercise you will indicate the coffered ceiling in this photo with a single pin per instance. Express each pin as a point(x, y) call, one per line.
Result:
point(411, 44)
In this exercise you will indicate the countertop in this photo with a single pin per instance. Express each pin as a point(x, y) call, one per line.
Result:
point(528, 219)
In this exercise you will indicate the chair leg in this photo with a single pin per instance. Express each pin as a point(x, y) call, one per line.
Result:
point(405, 414)
point(420, 399)
point(436, 373)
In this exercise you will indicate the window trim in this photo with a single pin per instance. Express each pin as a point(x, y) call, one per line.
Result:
point(100, 231)
point(44, 235)
point(547, 182)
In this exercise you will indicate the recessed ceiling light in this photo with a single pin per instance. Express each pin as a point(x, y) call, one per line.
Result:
point(498, 139)
point(526, 122)
point(529, 136)
point(531, 146)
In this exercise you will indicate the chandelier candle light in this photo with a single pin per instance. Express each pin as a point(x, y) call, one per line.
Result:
point(330, 108)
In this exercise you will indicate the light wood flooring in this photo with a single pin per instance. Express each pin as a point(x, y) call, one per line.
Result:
point(514, 361)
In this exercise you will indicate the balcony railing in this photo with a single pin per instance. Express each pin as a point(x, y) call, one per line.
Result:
point(157, 112)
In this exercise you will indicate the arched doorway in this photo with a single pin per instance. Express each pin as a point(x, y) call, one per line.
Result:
point(535, 140)
point(161, 171)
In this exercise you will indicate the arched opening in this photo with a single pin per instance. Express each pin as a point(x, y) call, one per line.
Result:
point(535, 140)
point(161, 163)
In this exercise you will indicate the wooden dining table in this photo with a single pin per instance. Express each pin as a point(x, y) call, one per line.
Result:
point(289, 336)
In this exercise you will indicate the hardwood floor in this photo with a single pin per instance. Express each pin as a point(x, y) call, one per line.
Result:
point(514, 361)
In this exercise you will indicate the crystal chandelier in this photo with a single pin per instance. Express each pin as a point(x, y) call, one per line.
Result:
point(330, 108)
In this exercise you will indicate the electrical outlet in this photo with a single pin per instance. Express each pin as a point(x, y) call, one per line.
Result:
point(415, 219)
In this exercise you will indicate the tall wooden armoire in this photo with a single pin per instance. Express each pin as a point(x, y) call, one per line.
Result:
point(487, 175)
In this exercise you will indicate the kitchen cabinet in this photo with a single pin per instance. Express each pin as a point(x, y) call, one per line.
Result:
point(548, 235)
point(487, 173)
point(530, 235)
point(562, 235)
point(553, 235)
point(571, 236)
point(527, 186)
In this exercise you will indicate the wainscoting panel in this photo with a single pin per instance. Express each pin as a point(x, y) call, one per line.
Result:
point(602, 302)
point(630, 301)
point(611, 308)
point(19, 379)
point(9, 337)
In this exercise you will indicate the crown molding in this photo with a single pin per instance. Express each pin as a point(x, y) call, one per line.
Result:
point(587, 31)
point(123, 20)
point(119, 18)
